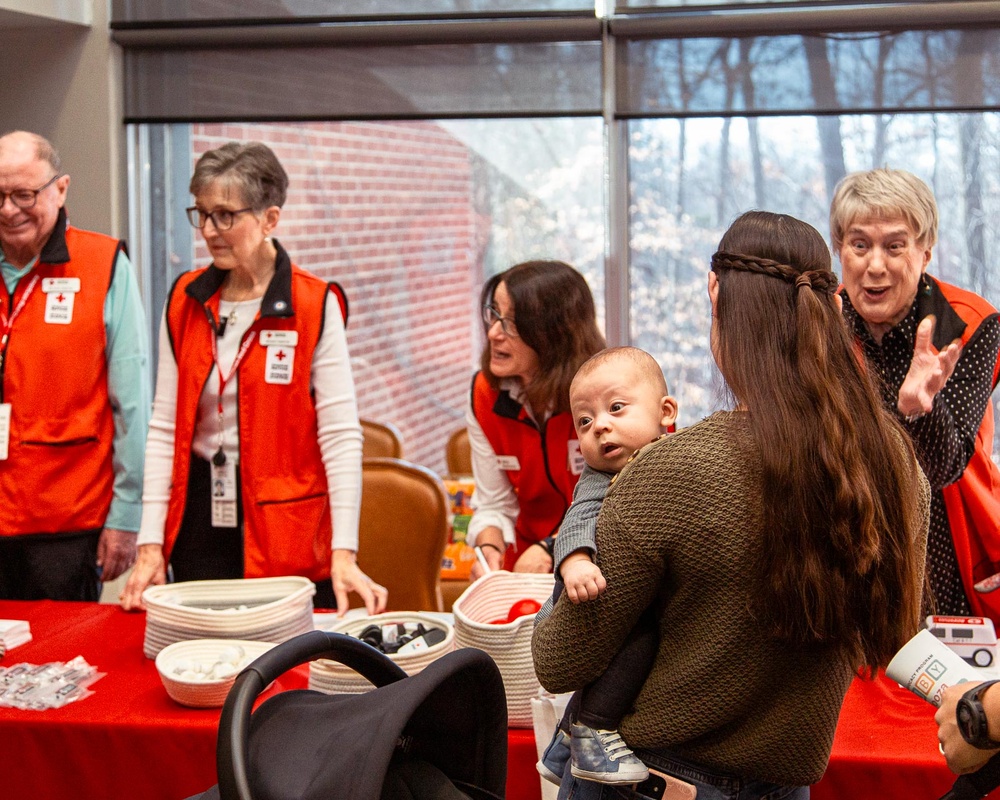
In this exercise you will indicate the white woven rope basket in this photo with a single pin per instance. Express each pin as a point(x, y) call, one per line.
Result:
point(509, 644)
point(204, 693)
point(276, 609)
point(332, 677)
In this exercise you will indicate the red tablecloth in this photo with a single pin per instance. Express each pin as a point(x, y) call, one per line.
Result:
point(130, 740)
point(886, 747)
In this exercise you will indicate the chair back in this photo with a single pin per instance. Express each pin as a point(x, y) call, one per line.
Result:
point(458, 454)
point(382, 440)
point(403, 532)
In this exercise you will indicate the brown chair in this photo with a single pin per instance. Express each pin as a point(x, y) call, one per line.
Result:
point(382, 440)
point(458, 454)
point(403, 532)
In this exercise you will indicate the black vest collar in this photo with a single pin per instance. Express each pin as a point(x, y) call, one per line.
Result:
point(506, 406)
point(277, 300)
point(931, 300)
point(55, 250)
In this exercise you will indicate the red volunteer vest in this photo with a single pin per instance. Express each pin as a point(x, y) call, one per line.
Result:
point(973, 501)
point(286, 508)
point(544, 478)
point(58, 476)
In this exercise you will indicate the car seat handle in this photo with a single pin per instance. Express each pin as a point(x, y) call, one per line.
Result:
point(234, 724)
point(348, 650)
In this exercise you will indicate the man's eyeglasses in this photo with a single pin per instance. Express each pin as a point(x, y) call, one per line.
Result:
point(222, 218)
point(26, 198)
point(491, 315)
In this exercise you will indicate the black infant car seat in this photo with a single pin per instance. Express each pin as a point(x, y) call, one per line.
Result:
point(441, 733)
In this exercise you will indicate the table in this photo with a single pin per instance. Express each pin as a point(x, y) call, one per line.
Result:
point(885, 747)
point(130, 740)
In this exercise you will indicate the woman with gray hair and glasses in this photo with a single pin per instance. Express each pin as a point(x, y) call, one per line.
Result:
point(253, 462)
point(934, 348)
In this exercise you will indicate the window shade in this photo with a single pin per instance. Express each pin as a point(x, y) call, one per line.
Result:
point(338, 83)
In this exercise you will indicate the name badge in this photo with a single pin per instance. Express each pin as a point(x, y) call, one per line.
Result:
point(224, 495)
point(575, 462)
point(59, 307)
point(71, 285)
point(508, 463)
point(4, 430)
point(278, 364)
point(283, 338)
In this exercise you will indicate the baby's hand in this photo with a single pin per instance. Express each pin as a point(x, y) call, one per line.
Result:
point(582, 577)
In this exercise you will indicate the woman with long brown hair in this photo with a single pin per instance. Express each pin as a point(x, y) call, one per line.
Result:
point(783, 541)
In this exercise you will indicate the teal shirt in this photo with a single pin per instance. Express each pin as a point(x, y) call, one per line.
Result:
point(129, 385)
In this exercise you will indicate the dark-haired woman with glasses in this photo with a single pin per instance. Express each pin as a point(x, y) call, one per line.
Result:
point(540, 325)
point(253, 462)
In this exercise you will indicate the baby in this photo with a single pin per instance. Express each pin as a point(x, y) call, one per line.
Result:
point(619, 403)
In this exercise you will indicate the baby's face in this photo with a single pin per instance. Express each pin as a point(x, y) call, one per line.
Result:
point(616, 410)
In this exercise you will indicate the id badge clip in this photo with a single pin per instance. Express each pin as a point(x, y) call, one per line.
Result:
point(223, 494)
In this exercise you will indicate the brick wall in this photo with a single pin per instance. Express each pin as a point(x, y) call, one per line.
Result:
point(386, 209)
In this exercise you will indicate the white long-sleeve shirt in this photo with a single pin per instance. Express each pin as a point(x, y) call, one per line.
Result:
point(339, 431)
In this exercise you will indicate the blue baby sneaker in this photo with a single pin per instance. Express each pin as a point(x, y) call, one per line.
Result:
point(553, 763)
point(603, 756)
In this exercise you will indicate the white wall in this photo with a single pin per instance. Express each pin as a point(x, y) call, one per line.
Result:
point(62, 80)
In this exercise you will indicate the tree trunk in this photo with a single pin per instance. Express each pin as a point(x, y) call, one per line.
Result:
point(825, 96)
point(750, 96)
point(969, 93)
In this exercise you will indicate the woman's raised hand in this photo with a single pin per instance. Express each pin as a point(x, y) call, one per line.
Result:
point(929, 372)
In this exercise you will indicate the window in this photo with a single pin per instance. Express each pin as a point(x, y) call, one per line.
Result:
point(410, 218)
point(690, 178)
point(433, 143)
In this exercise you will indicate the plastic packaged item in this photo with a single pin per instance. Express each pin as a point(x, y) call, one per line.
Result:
point(457, 561)
point(402, 637)
point(422, 642)
point(38, 687)
point(459, 496)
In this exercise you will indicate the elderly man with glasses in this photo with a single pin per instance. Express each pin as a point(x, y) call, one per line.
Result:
point(74, 388)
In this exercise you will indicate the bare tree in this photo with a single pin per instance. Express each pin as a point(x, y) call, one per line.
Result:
point(824, 92)
point(878, 79)
point(969, 93)
point(749, 96)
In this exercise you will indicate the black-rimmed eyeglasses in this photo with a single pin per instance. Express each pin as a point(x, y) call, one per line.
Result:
point(491, 315)
point(26, 198)
point(222, 218)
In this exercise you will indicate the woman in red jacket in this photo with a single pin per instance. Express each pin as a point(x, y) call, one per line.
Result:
point(540, 325)
point(253, 461)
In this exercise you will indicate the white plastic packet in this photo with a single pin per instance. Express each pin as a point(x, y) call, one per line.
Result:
point(38, 687)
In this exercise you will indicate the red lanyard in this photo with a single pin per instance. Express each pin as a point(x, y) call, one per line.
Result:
point(223, 378)
point(220, 457)
point(6, 323)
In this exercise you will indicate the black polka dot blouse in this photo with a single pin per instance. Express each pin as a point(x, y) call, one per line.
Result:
point(944, 439)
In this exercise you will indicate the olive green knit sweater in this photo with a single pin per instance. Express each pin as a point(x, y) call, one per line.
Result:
point(680, 528)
